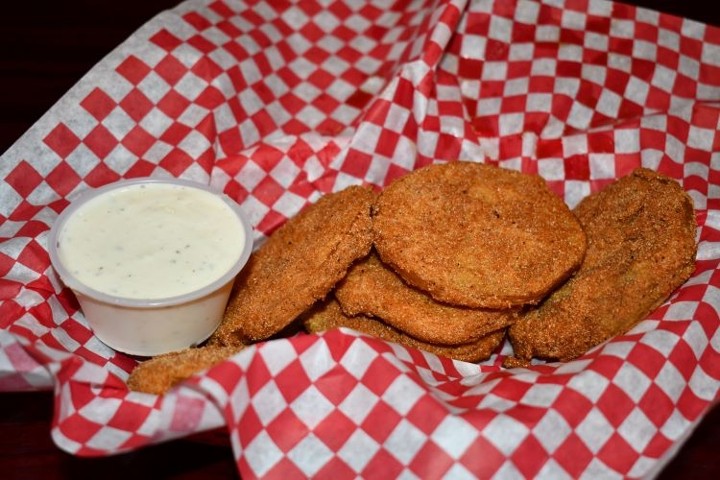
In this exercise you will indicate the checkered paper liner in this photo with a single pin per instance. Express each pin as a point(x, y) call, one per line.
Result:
point(277, 105)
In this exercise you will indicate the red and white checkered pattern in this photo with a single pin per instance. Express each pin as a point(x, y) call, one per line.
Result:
point(277, 105)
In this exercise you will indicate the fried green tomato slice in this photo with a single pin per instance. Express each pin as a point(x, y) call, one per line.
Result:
point(328, 314)
point(641, 247)
point(372, 288)
point(158, 374)
point(297, 265)
point(477, 235)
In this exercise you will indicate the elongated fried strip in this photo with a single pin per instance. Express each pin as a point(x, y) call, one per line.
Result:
point(477, 235)
point(641, 247)
point(158, 374)
point(328, 315)
point(298, 265)
point(374, 289)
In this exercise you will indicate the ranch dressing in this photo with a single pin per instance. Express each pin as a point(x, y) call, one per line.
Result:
point(151, 241)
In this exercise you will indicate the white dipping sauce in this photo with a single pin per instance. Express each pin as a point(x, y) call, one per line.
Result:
point(151, 241)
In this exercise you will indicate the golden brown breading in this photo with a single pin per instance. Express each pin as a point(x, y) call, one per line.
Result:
point(328, 315)
point(374, 289)
point(477, 235)
point(641, 247)
point(158, 374)
point(298, 265)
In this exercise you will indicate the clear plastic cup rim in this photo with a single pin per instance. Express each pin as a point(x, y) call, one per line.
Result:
point(79, 287)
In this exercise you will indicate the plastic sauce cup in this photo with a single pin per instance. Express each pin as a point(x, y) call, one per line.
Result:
point(151, 261)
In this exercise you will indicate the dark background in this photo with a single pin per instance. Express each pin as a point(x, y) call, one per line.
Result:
point(45, 48)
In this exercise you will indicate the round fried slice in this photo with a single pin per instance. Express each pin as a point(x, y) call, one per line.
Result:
point(298, 265)
point(372, 288)
point(641, 247)
point(328, 315)
point(477, 235)
point(158, 374)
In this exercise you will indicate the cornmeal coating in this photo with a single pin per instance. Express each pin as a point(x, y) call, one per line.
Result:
point(158, 374)
point(641, 247)
point(477, 235)
point(297, 265)
point(328, 315)
point(374, 289)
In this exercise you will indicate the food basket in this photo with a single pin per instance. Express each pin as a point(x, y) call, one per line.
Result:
point(278, 103)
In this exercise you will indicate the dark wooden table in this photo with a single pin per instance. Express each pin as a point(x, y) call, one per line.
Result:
point(45, 47)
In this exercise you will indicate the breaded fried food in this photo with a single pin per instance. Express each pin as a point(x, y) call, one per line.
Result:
point(297, 265)
point(641, 247)
point(158, 374)
point(327, 315)
point(372, 288)
point(477, 235)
